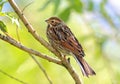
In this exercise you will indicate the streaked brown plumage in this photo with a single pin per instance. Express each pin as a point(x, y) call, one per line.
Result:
point(62, 39)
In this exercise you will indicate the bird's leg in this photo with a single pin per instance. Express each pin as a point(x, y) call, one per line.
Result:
point(64, 58)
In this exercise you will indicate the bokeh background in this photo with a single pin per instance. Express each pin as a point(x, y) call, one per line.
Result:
point(95, 23)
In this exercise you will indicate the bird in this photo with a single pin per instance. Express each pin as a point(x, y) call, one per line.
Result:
point(63, 40)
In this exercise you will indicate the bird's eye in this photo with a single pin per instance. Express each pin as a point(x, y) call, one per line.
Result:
point(52, 21)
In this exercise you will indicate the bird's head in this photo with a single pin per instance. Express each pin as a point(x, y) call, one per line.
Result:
point(53, 21)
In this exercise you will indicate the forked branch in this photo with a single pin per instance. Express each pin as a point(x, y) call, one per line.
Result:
point(63, 61)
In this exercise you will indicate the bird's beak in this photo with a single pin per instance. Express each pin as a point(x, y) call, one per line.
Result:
point(46, 21)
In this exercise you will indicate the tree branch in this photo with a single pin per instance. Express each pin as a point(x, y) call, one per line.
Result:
point(29, 26)
point(28, 50)
point(64, 61)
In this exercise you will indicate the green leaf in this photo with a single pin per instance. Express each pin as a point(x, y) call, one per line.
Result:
point(1, 4)
point(91, 5)
point(65, 14)
point(2, 14)
point(0, 1)
point(57, 3)
point(77, 5)
point(3, 27)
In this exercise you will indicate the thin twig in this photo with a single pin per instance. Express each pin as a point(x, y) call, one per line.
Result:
point(27, 6)
point(41, 68)
point(19, 18)
point(14, 78)
point(39, 65)
point(17, 33)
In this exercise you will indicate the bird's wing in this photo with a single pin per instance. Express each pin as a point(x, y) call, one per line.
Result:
point(68, 40)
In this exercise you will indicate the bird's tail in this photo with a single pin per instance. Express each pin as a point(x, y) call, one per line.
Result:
point(85, 68)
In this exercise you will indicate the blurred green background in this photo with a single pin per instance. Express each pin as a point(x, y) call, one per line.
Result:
point(95, 23)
